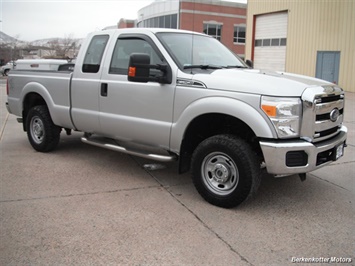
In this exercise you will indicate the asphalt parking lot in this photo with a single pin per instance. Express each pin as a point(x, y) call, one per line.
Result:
point(82, 205)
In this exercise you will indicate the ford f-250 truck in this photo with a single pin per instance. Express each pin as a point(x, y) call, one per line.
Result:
point(177, 95)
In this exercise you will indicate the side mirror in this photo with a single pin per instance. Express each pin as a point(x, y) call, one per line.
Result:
point(249, 63)
point(139, 70)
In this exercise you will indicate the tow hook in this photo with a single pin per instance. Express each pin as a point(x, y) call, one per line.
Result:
point(302, 177)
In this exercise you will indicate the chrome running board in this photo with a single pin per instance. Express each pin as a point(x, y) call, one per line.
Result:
point(102, 144)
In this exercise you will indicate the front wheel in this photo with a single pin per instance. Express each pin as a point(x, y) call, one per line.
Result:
point(41, 132)
point(225, 170)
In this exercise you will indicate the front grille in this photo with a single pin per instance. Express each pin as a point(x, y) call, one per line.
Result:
point(327, 132)
point(328, 99)
point(322, 113)
point(326, 116)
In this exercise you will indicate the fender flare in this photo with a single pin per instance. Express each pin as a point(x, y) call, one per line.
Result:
point(34, 87)
point(260, 125)
point(54, 110)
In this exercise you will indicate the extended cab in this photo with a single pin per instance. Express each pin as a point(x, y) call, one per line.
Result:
point(178, 95)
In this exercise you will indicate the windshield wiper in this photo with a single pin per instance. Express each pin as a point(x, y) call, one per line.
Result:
point(202, 66)
point(236, 66)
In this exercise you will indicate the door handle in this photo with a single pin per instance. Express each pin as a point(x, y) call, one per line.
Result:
point(104, 89)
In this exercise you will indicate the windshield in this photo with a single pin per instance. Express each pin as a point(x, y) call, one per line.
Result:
point(198, 51)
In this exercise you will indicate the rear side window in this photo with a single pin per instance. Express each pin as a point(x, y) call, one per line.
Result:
point(94, 54)
point(124, 48)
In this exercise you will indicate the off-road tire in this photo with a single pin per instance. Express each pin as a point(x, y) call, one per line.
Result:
point(225, 170)
point(41, 132)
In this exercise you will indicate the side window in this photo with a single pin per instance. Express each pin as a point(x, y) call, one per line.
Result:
point(124, 48)
point(94, 54)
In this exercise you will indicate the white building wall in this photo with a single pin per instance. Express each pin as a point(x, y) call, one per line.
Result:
point(158, 8)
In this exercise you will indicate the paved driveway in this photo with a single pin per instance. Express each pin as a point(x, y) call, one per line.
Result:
point(82, 205)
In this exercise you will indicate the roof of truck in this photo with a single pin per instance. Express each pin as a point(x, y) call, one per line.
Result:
point(144, 30)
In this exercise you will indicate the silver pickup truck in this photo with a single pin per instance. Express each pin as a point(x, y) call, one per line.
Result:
point(177, 95)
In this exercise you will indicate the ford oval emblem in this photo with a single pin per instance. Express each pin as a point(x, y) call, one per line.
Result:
point(334, 114)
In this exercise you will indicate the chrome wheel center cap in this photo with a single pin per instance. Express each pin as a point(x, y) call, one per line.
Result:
point(38, 130)
point(220, 173)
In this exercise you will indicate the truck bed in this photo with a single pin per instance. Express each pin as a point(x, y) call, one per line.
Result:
point(53, 86)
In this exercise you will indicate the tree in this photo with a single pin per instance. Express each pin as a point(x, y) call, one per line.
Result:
point(66, 47)
point(10, 50)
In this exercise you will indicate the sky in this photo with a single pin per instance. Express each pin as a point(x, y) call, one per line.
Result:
point(30, 20)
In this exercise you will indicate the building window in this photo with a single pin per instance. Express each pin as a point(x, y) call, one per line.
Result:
point(266, 42)
point(270, 42)
point(168, 22)
point(214, 30)
point(258, 42)
point(275, 42)
point(174, 21)
point(239, 34)
point(161, 22)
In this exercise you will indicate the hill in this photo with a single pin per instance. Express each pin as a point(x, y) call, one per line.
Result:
point(4, 38)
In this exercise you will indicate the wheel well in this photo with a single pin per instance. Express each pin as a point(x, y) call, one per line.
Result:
point(209, 125)
point(32, 99)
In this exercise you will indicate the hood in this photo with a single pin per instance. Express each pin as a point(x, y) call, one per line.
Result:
point(263, 82)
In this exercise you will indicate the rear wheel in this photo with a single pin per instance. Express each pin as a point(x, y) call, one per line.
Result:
point(225, 170)
point(41, 132)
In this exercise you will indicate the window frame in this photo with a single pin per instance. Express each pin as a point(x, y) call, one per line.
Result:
point(135, 37)
point(236, 39)
point(219, 27)
point(94, 68)
point(268, 42)
point(169, 21)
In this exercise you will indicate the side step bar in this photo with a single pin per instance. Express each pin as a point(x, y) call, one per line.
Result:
point(113, 147)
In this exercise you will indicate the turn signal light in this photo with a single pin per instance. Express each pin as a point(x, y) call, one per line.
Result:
point(269, 110)
point(132, 71)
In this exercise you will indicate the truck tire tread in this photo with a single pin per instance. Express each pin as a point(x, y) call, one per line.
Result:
point(246, 164)
point(51, 132)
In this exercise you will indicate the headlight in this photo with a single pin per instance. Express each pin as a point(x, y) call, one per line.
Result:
point(284, 113)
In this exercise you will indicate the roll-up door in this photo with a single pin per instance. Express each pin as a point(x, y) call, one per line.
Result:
point(270, 41)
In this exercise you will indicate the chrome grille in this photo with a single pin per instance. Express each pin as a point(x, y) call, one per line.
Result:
point(323, 109)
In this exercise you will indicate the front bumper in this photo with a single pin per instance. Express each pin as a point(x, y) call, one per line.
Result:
point(288, 157)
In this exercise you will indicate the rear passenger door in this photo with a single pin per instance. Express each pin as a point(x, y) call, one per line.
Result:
point(132, 111)
point(85, 86)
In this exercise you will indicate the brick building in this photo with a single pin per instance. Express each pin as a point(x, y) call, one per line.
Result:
point(225, 21)
point(126, 23)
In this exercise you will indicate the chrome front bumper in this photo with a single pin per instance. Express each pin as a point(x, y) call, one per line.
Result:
point(312, 155)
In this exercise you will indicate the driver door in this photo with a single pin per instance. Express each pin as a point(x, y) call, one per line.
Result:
point(132, 111)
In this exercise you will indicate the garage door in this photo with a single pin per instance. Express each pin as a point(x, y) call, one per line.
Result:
point(270, 41)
